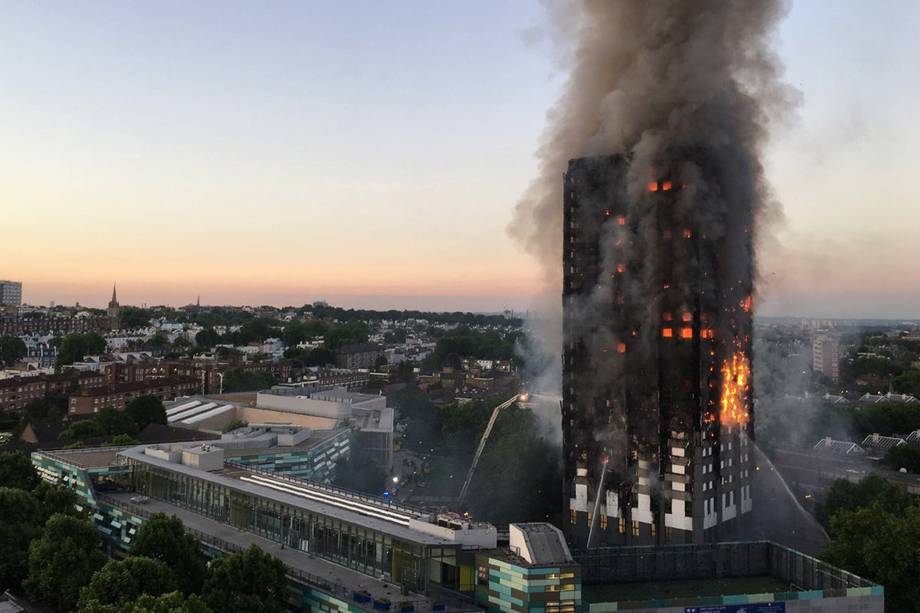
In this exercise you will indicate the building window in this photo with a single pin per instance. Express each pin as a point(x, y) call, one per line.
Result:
point(603, 521)
point(635, 528)
point(621, 525)
point(574, 517)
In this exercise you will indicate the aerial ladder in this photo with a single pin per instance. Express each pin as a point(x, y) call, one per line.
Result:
point(482, 444)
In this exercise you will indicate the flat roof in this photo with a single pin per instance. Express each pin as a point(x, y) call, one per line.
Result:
point(100, 457)
point(292, 558)
point(687, 588)
point(316, 438)
point(234, 479)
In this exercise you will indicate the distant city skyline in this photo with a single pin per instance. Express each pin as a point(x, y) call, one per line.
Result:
point(370, 156)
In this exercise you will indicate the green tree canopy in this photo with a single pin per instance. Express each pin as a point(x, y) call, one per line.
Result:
point(16, 470)
point(51, 408)
point(119, 583)
point(904, 456)
point(12, 349)
point(134, 317)
point(54, 499)
point(348, 333)
point(207, 338)
point(164, 538)
point(251, 580)
point(75, 347)
point(174, 602)
point(81, 431)
point(145, 410)
point(62, 561)
point(880, 545)
point(846, 496)
point(20, 518)
point(113, 422)
point(296, 332)
point(239, 380)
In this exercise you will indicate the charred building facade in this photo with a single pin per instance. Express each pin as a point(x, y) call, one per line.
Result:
point(656, 407)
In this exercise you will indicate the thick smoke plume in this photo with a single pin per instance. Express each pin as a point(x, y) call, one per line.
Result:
point(687, 88)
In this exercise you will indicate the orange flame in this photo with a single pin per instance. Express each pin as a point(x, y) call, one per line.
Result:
point(747, 304)
point(736, 377)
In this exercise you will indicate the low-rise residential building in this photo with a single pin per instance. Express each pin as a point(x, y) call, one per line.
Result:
point(362, 355)
point(17, 392)
point(117, 396)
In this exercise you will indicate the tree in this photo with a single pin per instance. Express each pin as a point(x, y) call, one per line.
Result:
point(405, 372)
point(119, 583)
point(75, 347)
point(320, 356)
point(250, 580)
point(81, 431)
point(163, 538)
point(135, 317)
point(62, 561)
point(349, 333)
point(294, 332)
point(51, 408)
point(54, 499)
point(879, 545)
point(846, 496)
point(395, 336)
point(181, 343)
point(207, 338)
point(904, 456)
point(12, 349)
point(258, 330)
point(158, 341)
point(19, 523)
point(239, 380)
point(174, 602)
point(380, 362)
point(16, 470)
point(234, 425)
point(145, 410)
point(114, 422)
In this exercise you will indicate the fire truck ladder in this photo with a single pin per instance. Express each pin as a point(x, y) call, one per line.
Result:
point(482, 444)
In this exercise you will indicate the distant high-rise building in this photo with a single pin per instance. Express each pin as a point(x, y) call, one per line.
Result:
point(10, 294)
point(656, 400)
point(825, 351)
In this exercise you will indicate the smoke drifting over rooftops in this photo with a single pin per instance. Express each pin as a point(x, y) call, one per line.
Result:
point(687, 90)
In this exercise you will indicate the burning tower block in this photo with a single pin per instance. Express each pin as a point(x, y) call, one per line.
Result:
point(656, 410)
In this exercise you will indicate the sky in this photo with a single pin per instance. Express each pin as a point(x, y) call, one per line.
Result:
point(369, 154)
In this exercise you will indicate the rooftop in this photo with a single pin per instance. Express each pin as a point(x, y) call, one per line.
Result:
point(539, 543)
point(98, 457)
point(371, 512)
point(341, 580)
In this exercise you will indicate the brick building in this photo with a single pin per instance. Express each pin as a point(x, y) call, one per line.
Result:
point(33, 324)
point(17, 392)
point(362, 355)
point(90, 400)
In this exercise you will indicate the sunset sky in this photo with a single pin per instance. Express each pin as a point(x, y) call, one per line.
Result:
point(369, 153)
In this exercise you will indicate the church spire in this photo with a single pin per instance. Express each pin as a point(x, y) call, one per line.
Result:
point(114, 298)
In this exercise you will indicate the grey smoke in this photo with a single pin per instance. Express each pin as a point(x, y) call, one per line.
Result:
point(656, 79)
